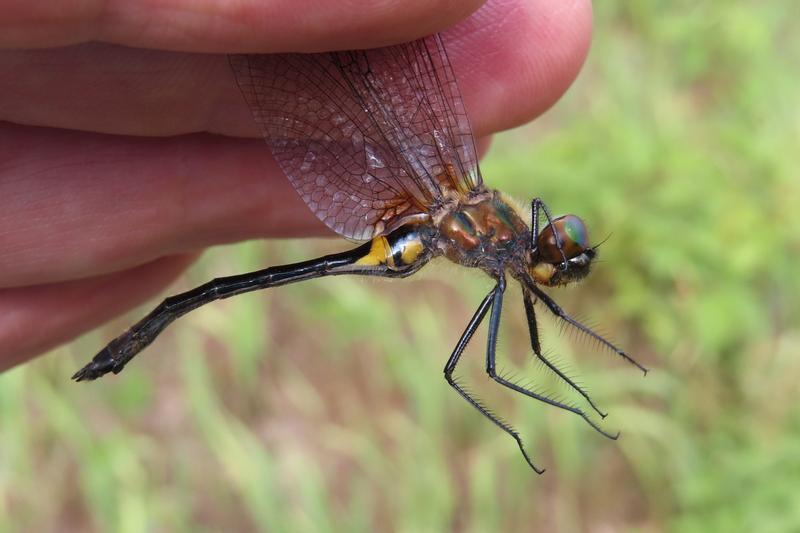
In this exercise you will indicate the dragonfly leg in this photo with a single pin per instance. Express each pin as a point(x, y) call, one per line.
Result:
point(560, 313)
point(538, 204)
point(450, 367)
point(491, 349)
point(530, 313)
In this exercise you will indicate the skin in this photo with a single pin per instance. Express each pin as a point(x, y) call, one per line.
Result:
point(110, 152)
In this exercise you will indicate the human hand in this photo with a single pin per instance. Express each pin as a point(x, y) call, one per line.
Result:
point(118, 164)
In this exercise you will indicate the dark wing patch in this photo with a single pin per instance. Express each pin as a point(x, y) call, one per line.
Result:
point(368, 138)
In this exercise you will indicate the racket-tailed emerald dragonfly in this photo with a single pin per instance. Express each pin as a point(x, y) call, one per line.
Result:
point(378, 145)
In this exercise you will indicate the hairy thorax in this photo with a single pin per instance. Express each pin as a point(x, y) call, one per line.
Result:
point(485, 233)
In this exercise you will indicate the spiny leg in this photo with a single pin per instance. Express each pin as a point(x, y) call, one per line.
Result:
point(537, 349)
point(491, 349)
point(450, 367)
point(560, 313)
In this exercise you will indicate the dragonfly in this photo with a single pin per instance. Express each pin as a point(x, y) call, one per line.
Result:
point(379, 146)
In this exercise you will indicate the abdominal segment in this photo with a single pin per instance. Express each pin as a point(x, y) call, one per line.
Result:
point(398, 250)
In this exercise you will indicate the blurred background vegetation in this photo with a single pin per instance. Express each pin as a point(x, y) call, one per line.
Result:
point(322, 406)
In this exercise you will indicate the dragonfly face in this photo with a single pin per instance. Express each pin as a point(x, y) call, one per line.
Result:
point(562, 253)
point(378, 145)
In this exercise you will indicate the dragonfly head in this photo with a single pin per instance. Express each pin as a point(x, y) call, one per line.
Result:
point(547, 266)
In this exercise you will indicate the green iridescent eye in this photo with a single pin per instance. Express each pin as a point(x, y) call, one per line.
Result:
point(571, 232)
point(575, 231)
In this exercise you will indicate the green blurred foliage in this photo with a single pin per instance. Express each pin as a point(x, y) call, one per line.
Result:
point(322, 407)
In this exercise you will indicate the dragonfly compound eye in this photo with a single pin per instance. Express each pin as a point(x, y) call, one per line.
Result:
point(572, 235)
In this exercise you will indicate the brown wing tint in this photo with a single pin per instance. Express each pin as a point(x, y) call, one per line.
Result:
point(368, 138)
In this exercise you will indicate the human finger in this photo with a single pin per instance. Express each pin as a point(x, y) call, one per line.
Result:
point(226, 26)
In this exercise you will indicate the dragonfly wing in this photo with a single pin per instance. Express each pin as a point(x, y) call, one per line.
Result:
point(368, 138)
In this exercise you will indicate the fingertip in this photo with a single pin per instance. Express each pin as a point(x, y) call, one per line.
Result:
point(515, 59)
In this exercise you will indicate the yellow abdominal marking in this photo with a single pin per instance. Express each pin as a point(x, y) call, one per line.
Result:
point(411, 252)
point(396, 252)
point(378, 253)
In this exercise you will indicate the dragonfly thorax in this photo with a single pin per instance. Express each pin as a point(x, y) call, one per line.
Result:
point(485, 234)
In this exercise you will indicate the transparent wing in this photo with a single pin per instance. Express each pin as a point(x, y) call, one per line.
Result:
point(368, 138)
